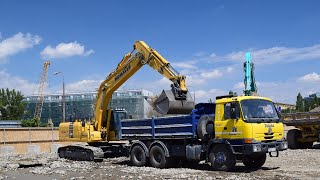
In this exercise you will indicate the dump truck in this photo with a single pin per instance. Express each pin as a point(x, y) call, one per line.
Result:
point(306, 131)
point(233, 129)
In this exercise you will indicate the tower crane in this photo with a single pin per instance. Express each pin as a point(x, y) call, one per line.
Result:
point(41, 88)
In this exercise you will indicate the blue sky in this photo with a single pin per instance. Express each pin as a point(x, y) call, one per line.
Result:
point(205, 40)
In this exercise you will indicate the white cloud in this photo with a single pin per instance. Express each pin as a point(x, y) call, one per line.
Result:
point(282, 91)
point(14, 82)
point(311, 77)
point(83, 86)
point(239, 85)
point(17, 43)
point(64, 50)
point(195, 80)
point(229, 69)
point(185, 64)
point(206, 95)
point(211, 74)
point(202, 76)
point(272, 55)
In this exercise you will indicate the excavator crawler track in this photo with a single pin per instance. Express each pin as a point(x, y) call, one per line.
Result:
point(81, 153)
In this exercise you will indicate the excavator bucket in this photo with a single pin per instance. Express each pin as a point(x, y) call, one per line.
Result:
point(166, 103)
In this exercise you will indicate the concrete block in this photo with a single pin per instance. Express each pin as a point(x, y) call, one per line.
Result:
point(7, 150)
point(54, 148)
point(33, 149)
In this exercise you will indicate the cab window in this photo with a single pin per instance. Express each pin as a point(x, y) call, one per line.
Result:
point(227, 108)
point(231, 110)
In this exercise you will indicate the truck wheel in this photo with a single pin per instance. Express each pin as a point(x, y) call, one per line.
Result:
point(157, 157)
point(205, 127)
point(61, 153)
point(222, 158)
point(90, 155)
point(307, 145)
point(254, 161)
point(138, 156)
point(293, 135)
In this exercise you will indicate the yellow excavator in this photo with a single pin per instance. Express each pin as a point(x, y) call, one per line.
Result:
point(100, 131)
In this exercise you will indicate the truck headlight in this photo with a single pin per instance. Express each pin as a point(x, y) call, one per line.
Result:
point(256, 147)
point(285, 145)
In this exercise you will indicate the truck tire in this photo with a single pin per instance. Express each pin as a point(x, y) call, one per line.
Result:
point(138, 156)
point(61, 153)
point(307, 145)
point(157, 157)
point(254, 161)
point(222, 158)
point(205, 127)
point(292, 136)
point(90, 155)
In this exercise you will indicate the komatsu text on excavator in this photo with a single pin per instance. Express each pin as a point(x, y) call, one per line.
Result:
point(100, 131)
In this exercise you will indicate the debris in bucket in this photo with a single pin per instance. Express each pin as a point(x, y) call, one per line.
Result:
point(166, 103)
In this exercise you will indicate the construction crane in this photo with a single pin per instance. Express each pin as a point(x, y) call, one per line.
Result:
point(41, 88)
point(250, 87)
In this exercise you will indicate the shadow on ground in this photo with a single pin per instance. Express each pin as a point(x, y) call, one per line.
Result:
point(204, 167)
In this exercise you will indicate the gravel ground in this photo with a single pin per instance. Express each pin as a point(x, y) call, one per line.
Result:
point(291, 164)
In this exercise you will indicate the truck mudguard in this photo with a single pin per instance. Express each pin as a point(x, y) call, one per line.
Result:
point(166, 151)
point(139, 143)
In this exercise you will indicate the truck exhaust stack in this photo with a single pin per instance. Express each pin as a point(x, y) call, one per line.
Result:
point(166, 103)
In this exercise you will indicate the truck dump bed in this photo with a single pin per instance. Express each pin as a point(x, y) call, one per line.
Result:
point(298, 119)
point(173, 127)
point(163, 127)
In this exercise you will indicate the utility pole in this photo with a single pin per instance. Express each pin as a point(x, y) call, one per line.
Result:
point(63, 97)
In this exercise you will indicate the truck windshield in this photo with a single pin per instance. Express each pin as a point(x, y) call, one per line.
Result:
point(258, 110)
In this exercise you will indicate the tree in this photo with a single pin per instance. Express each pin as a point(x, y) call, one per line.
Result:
point(11, 105)
point(307, 106)
point(33, 123)
point(299, 103)
point(314, 102)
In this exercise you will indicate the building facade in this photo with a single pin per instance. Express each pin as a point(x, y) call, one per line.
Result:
point(81, 105)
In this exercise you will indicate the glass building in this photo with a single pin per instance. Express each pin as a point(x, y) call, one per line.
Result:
point(81, 105)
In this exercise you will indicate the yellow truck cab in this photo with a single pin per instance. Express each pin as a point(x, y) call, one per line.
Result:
point(249, 126)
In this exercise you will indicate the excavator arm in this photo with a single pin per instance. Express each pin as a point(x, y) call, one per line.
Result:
point(176, 98)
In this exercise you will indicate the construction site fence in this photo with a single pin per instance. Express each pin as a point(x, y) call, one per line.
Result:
point(29, 140)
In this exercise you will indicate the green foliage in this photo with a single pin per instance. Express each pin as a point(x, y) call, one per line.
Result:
point(305, 105)
point(299, 103)
point(11, 105)
point(289, 110)
point(315, 102)
point(34, 122)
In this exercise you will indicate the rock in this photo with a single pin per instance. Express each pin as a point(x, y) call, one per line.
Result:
point(12, 165)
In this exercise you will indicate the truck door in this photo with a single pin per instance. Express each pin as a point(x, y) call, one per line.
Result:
point(227, 126)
